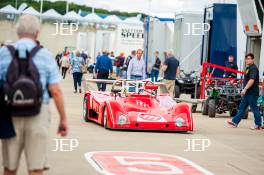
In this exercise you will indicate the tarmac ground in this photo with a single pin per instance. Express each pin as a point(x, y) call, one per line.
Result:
point(214, 146)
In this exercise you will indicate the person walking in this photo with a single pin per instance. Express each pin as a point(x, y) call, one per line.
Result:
point(171, 70)
point(119, 63)
point(112, 55)
point(57, 58)
point(137, 68)
point(84, 55)
point(103, 67)
point(249, 94)
point(65, 64)
point(76, 63)
point(155, 68)
point(262, 112)
point(31, 126)
point(98, 55)
point(126, 63)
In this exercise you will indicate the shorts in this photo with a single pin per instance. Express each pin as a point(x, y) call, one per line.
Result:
point(32, 137)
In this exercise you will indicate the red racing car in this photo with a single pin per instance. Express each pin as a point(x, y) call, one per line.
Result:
point(136, 105)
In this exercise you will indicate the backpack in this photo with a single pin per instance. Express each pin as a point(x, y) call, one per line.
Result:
point(117, 62)
point(23, 89)
point(58, 59)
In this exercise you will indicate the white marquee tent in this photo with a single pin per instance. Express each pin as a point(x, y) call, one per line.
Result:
point(9, 9)
point(93, 18)
point(31, 11)
point(52, 14)
point(133, 20)
point(112, 19)
point(72, 15)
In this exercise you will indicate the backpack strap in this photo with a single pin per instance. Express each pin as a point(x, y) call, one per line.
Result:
point(33, 52)
point(12, 50)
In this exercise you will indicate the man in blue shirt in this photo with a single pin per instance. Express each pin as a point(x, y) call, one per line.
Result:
point(32, 132)
point(102, 68)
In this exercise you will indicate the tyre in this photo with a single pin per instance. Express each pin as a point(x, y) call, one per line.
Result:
point(85, 110)
point(177, 92)
point(105, 119)
point(197, 95)
point(212, 108)
point(246, 114)
point(233, 112)
point(205, 107)
point(194, 107)
point(198, 92)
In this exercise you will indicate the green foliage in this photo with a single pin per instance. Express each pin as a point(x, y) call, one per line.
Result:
point(60, 7)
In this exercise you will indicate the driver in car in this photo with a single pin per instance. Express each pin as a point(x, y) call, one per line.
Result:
point(230, 64)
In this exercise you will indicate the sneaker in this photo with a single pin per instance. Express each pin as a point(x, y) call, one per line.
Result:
point(256, 127)
point(75, 91)
point(231, 123)
point(80, 91)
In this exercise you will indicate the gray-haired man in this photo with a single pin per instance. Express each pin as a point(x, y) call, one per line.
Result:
point(171, 70)
point(32, 132)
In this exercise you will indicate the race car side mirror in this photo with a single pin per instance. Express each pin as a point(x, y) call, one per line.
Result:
point(151, 87)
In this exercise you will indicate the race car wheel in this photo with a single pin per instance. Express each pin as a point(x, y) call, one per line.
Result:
point(205, 107)
point(85, 110)
point(212, 108)
point(194, 107)
point(105, 119)
point(177, 92)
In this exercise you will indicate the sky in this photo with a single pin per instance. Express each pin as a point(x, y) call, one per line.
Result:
point(150, 6)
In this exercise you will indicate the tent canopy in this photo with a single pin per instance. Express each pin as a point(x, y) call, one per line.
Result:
point(93, 17)
point(31, 11)
point(51, 13)
point(112, 19)
point(72, 15)
point(133, 20)
point(9, 9)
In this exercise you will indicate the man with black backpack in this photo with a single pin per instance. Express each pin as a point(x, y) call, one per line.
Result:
point(27, 74)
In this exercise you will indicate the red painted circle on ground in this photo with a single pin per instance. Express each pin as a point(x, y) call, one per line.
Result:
point(138, 163)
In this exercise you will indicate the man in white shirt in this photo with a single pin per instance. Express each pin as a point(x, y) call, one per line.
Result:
point(137, 67)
